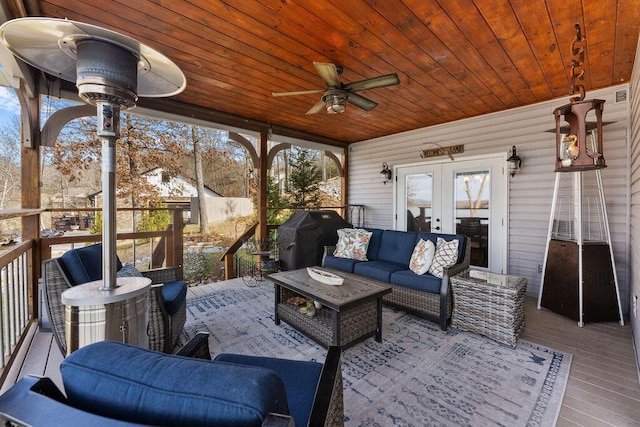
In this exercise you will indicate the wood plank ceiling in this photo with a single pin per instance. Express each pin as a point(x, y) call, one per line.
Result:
point(455, 58)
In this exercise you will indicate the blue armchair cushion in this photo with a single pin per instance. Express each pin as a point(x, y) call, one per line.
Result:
point(138, 385)
point(174, 295)
point(300, 379)
point(84, 265)
point(397, 246)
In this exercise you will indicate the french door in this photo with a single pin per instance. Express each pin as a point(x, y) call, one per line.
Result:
point(461, 197)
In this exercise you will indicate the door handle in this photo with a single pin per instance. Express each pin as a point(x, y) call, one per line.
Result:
point(437, 228)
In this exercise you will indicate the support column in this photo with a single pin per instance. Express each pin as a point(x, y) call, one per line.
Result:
point(261, 231)
point(30, 162)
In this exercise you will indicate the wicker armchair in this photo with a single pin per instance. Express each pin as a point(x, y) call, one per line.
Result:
point(163, 328)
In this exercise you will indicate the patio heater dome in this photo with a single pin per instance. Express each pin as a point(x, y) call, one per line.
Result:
point(105, 65)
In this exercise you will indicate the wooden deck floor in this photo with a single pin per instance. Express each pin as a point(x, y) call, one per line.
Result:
point(603, 387)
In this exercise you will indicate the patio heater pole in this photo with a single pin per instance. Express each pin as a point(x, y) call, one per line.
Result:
point(108, 132)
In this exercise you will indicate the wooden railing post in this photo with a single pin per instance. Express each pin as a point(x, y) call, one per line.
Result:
point(174, 246)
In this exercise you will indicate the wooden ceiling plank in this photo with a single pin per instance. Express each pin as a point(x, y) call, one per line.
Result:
point(626, 39)
point(405, 20)
point(538, 29)
point(599, 31)
point(485, 80)
point(504, 24)
point(471, 22)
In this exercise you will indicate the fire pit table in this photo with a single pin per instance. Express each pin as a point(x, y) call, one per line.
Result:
point(349, 313)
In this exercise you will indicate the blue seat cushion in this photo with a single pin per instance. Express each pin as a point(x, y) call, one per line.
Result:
point(174, 295)
point(139, 385)
point(300, 380)
point(84, 265)
point(342, 264)
point(397, 246)
point(422, 282)
point(378, 270)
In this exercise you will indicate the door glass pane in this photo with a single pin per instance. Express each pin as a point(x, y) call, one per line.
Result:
point(472, 210)
point(419, 197)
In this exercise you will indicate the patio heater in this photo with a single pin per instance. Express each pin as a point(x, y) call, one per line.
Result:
point(110, 71)
point(579, 277)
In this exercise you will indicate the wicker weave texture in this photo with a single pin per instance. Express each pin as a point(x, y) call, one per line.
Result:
point(335, 415)
point(355, 323)
point(493, 311)
point(419, 302)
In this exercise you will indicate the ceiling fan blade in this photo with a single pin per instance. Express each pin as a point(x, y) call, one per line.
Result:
point(361, 102)
point(319, 106)
point(380, 81)
point(329, 74)
point(297, 92)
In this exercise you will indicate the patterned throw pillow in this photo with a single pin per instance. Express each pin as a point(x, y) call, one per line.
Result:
point(446, 256)
point(422, 256)
point(352, 243)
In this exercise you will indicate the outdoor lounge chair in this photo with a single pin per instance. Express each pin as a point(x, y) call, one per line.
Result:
point(111, 383)
point(167, 302)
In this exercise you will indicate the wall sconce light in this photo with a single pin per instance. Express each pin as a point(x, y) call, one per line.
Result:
point(385, 173)
point(514, 161)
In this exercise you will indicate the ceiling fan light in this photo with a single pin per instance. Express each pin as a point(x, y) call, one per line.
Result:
point(336, 103)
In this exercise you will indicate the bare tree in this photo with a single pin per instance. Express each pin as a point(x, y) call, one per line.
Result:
point(202, 202)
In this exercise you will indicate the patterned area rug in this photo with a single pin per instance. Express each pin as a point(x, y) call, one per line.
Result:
point(417, 376)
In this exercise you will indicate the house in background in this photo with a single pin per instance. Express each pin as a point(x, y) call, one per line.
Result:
point(180, 192)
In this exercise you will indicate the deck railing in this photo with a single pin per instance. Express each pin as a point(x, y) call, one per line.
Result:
point(16, 310)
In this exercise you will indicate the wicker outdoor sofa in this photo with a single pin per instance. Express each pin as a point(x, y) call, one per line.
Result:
point(388, 256)
point(167, 300)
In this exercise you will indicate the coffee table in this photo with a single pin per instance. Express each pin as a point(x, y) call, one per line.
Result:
point(350, 312)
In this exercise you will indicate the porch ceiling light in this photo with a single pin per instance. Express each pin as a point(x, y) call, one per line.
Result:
point(514, 161)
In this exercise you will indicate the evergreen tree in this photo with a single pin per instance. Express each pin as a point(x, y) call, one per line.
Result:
point(303, 179)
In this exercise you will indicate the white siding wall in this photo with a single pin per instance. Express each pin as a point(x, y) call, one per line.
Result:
point(635, 198)
point(530, 192)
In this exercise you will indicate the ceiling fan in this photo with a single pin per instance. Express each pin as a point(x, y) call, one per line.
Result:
point(336, 94)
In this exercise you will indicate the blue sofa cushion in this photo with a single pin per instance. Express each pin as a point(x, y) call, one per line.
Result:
point(374, 243)
point(299, 379)
point(84, 265)
point(378, 270)
point(422, 282)
point(448, 237)
point(138, 385)
point(174, 295)
point(397, 246)
point(342, 264)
